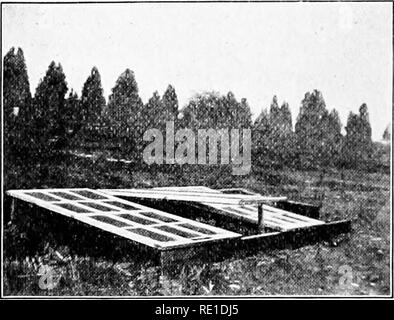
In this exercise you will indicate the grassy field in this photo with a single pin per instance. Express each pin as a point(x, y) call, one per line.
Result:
point(358, 264)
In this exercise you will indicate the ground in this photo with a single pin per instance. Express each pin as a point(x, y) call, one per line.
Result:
point(358, 264)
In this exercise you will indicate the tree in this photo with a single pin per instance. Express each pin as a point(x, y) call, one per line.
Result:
point(200, 111)
point(215, 113)
point(124, 104)
point(273, 136)
point(153, 115)
point(170, 104)
point(49, 128)
point(358, 146)
point(211, 110)
point(275, 115)
point(333, 139)
point(124, 112)
point(260, 139)
point(287, 122)
point(72, 115)
point(310, 131)
point(387, 134)
point(244, 114)
point(16, 103)
point(281, 141)
point(92, 98)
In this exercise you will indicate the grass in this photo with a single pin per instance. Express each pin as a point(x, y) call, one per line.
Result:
point(355, 265)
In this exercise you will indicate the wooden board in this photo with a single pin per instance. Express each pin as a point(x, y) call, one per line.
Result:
point(127, 219)
point(273, 218)
point(251, 245)
point(188, 194)
point(227, 204)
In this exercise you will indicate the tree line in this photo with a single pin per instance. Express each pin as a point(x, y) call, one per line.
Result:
point(51, 120)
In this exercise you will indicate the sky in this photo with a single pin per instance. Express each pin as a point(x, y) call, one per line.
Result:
point(255, 50)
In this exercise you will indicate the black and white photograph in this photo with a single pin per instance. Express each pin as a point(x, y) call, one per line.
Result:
point(208, 150)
